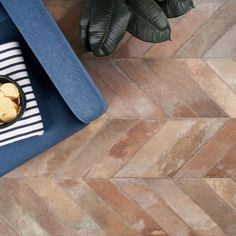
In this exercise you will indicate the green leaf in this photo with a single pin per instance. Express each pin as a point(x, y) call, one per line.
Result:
point(84, 25)
point(108, 24)
point(174, 8)
point(148, 22)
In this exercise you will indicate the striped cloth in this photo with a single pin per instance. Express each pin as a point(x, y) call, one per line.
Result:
point(12, 64)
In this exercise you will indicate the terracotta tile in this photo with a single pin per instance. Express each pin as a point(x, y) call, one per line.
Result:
point(185, 207)
point(96, 148)
point(214, 86)
point(200, 192)
point(134, 47)
point(53, 160)
point(10, 204)
point(124, 149)
point(226, 167)
point(125, 39)
point(94, 206)
point(59, 7)
point(226, 69)
point(185, 28)
point(226, 189)
point(31, 227)
point(117, 108)
point(204, 160)
point(225, 46)
point(5, 229)
point(70, 22)
point(209, 33)
point(57, 200)
point(185, 148)
point(130, 93)
point(155, 206)
point(154, 149)
point(137, 48)
point(155, 87)
point(186, 88)
point(134, 216)
point(57, 12)
point(38, 211)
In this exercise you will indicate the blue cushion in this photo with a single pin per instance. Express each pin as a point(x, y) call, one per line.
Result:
point(66, 95)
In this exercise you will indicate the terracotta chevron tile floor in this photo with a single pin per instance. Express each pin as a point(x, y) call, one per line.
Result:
point(162, 160)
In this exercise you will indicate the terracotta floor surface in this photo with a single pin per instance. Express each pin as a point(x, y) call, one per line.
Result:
point(162, 160)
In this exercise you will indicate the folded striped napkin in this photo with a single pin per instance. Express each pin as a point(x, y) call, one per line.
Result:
point(12, 64)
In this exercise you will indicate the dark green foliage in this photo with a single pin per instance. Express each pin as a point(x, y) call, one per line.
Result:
point(148, 22)
point(108, 24)
point(84, 25)
point(174, 8)
point(104, 22)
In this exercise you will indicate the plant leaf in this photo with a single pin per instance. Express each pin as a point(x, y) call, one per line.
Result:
point(108, 24)
point(148, 22)
point(84, 25)
point(174, 8)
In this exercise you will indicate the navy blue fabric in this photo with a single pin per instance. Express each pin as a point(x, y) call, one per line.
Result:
point(60, 118)
point(54, 53)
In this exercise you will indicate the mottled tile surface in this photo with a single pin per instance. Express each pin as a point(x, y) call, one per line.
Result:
point(162, 160)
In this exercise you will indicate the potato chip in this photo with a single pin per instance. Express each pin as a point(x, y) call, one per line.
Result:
point(9, 116)
point(5, 104)
point(9, 102)
point(10, 90)
point(8, 109)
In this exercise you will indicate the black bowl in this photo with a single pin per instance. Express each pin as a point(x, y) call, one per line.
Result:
point(5, 79)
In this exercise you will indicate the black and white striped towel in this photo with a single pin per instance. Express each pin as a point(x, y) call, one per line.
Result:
point(12, 64)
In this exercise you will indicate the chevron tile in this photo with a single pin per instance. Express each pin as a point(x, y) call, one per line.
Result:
point(118, 206)
point(166, 87)
point(161, 161)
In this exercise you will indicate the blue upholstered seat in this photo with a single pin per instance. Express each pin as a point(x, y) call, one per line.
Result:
point(66, 94)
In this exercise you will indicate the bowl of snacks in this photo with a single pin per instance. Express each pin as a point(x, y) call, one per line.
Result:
point(12, 101)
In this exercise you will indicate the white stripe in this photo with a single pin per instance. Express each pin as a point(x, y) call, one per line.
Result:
point(11, 61)
point(27, 89)
point(29, 96)
point(19, 75)
point(11, 134)
point(30, 112)
point(19, 131)
point(31, 104)
point(7, 54)
point(24, 82)
point(39, 133)
point(22, 122)
point(13, 69)
point(9, 45)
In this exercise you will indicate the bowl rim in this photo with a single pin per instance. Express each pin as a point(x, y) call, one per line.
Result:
point(7, 79)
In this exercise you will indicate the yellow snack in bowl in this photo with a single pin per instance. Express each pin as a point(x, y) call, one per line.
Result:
point(10, 90)
point(8, 109)
point(9, 116)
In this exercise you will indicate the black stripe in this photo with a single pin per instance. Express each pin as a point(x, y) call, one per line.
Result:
point(31, 116)
point(20, 135)
point(11, 57)
point(27, 93)
point(10, 49)
point(26, 85)
point(22, 78)
point(19, 127)
point(31, 100)
point(29, 108)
